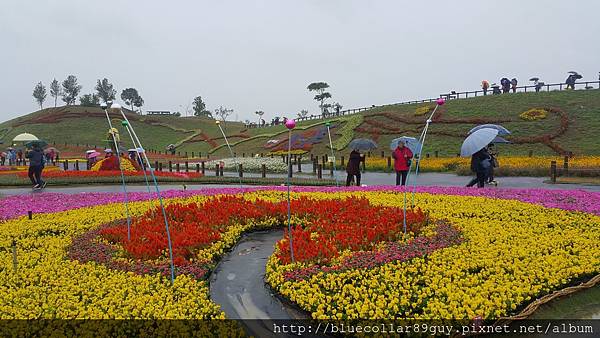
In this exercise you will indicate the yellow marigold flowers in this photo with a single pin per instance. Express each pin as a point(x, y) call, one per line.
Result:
point(534, 114)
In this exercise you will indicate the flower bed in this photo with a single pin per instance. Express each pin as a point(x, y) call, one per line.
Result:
point(534, 114)
point(112, 173)
point(200, 231)
point(509, 165)
point(494, 253)
point(250, 164)
point(512, 253)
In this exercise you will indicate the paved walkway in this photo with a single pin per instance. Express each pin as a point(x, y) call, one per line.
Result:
point(425, 179)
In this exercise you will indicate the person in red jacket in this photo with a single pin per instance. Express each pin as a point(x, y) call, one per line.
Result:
point(402, 156)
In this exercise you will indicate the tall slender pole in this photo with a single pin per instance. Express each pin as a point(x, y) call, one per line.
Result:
point(439, 102)
point(162, 206)
point(337, 184)
point(290, 124)
point(137, 153)
point(122, 175)
point(229, 146)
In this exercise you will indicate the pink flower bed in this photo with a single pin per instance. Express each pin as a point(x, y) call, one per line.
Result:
point(16, 206)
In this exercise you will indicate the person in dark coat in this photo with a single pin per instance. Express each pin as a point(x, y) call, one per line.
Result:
point(353, 167)
point(36, 165)
point(402, 156)
point(513, 84)
point(480, 165)
point(505, 83)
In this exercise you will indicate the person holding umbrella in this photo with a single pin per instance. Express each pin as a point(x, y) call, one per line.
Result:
point(36, 165)
point(475, 146)
point(480, 165)
point(402, 157)
point(353, 167)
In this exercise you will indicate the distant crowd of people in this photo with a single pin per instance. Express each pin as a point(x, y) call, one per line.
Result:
point(505, 86)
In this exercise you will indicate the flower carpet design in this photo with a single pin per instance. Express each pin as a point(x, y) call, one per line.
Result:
point(467, 252)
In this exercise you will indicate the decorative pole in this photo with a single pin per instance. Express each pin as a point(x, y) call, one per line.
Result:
point(439, 102)
point(117, 153)
point(228, 146)
point(137, 152)
point(117, 107)
point(328, 124)
point(290, 124)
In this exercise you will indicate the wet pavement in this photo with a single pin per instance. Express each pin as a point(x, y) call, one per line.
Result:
point(238, 285)
point(425, 179)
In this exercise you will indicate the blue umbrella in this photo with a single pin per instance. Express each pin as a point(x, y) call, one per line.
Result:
point(412, 143)
point(363, 144)
point(501, 130)
point(478, 140)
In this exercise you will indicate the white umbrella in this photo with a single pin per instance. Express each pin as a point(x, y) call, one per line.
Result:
point(25, 137)
point(477, 141)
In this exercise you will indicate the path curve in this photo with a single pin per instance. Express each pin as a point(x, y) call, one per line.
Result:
point(238, 285)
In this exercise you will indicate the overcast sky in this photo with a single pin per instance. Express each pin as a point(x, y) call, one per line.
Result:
point(261, 55)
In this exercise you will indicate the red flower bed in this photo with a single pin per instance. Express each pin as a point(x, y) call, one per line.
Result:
point(330, 226)
point(109, 173)
point(446, 235)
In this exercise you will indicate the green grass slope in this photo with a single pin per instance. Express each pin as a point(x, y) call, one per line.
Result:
point(571, 126)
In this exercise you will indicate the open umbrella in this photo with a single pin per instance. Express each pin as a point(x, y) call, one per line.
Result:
point(501, 130)
point(25, 137)
point(363, 144)
point(412, 143)
point(39, 143)
point(573, 72)
point(534, 79)
point(478, 140)
point(94, 154)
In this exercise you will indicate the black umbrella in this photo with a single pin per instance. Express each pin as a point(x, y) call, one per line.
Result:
point(363, 144)
point(534, 79)
point(573, 72)
point(578, 76)
point(39, 143)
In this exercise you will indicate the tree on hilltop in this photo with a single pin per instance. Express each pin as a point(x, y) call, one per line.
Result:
point(55, 90)
point(322, 95)
point(132, 98)
point(223, 113)
point(39, 93)
point(70, 89)
point(105, 90)
point(89, 100)
point(199, 108)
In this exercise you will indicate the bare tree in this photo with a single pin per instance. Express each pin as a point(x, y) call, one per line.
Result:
point(223, 113)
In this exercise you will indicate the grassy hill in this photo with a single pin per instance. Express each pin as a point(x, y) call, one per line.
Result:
point(572, 124)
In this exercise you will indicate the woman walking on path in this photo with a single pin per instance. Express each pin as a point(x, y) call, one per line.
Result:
point(353, 167)
point(402, 156)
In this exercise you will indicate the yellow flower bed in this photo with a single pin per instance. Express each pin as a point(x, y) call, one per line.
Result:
point(513, 253)
point(534, 114)
point(423, 110)
point(508, 164)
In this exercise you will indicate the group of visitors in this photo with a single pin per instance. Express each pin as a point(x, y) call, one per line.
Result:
point(505, 86)
point(10, 157)
point(402, 163)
